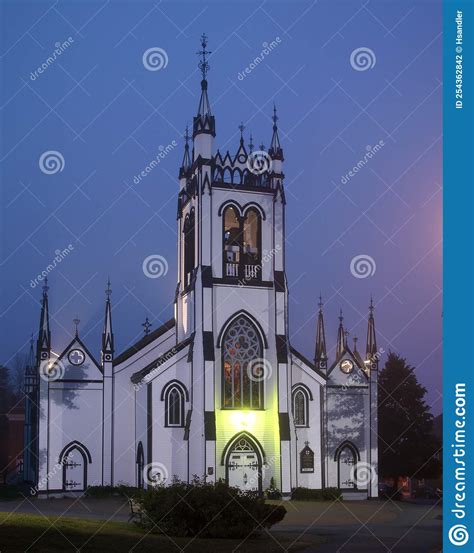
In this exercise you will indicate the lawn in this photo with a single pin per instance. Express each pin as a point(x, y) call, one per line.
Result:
point(41, 534)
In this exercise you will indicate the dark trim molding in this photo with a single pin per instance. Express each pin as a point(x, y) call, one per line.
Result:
point(208, 345)
point(210, 425)
point(284, 421)
point(252, 319)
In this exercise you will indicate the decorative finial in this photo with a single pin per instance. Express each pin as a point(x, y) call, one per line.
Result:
point(147, 325)
point(275, 118)
point(262, 147)
point(346, 336)
point(203, 64)
point(45, 286)
point(306, 443)
point(320, 304)
point(186, 135)
point(371, 306)
point(251, 144)
point(241, 129)
point(108, 290)
point(341, 318)
point(76, 322)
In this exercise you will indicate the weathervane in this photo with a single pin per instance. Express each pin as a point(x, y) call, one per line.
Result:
point(146, 325)
point(203, 64)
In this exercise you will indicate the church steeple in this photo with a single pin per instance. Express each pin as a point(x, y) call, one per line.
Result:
point(204, 122)
point(30, 369)
point(371, 347)
point(341, 338)
point(320, 355)
point(275, 151)
point(43, 348)
point(107, 335)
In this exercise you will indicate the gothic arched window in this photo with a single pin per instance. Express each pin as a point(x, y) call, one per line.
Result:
point(241, 244)
point(243, 366)
point(174, 398)
point(300, 406)
point(189, 247)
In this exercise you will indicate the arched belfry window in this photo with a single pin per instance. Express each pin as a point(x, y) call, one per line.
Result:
point(189, 247)
point(243, 366)
point(241, 244)
point(174, 395)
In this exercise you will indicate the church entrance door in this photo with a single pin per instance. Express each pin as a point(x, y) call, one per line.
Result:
point(243, 467)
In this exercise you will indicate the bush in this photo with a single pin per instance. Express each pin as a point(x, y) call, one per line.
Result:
point(308, 494)
point(272, 492)
point(101, 492)
point(206, 510)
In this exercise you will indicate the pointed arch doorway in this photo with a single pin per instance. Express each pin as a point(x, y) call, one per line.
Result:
point(243, 459)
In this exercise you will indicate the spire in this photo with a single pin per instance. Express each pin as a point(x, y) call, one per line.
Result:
point(43, 347)
point(204, 121)
point(275, 150)
point(107, 335)
point(340, 336)
point(186, 165)
point(320, 356)
point(251, 144)
point(30, 369)
point(371, 347)
point(241, 129)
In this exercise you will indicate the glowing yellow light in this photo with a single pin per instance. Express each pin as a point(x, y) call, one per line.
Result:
point(243, 419)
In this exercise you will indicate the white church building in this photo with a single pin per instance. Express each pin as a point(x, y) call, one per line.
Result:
point(218, 391)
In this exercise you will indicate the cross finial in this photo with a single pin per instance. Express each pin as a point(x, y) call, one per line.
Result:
point(241, 129)
point(275, 118)
point(341, 318)
point(306, 443)
point(320, 304)
point(45, 286)
point(251, 144)
point(371, 306)
point(76, 322)
point(108, 290)
point(146, 326)
point(203, 64)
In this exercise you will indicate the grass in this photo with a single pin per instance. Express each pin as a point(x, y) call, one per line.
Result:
point(40, 534)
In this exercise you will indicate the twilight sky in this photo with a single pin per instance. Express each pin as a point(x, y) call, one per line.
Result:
point(107, 115)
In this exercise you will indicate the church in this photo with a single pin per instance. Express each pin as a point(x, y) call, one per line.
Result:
point(218, 391)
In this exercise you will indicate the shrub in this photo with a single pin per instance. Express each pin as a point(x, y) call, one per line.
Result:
point(272, 492)
point(206, 510)
point(308, 494)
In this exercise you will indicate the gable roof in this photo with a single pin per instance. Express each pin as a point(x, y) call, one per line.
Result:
point(137, 346)
point(139, 375)
point(307, 362)
point(355, 357)
point(77, 340)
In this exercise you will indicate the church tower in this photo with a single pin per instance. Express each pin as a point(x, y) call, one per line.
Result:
point(231, 300)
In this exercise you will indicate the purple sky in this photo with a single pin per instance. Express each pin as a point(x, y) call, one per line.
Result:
point(107, 115)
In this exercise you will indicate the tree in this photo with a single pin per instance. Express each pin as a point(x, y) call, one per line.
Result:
point(407, 444)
